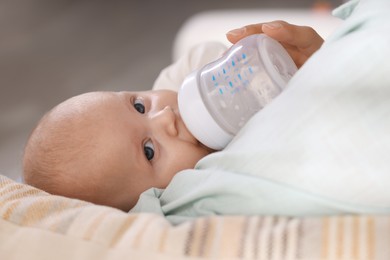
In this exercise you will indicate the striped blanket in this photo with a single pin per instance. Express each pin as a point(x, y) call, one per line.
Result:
point(36, 225)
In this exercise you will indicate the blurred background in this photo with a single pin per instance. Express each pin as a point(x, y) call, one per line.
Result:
point(51, 50)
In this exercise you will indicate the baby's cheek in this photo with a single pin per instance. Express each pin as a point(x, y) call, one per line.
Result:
point(198, 153)
point(185, 156)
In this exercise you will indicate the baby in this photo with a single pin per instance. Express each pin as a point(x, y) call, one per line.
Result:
point(109, 147)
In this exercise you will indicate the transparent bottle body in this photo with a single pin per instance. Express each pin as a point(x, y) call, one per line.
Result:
point(243, 81)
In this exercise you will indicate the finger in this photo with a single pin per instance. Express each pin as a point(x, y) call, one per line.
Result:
point(303, 37)
point(237, 34)
point(296, 55)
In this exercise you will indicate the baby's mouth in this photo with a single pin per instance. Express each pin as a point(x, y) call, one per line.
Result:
point(183, 132)
point(188, 136)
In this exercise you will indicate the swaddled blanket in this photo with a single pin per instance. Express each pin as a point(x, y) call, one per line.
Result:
point(321, 147)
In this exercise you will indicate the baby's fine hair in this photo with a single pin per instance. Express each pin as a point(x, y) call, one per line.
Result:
point(51, 156)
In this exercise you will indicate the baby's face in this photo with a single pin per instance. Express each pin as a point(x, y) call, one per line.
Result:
point(135, 141)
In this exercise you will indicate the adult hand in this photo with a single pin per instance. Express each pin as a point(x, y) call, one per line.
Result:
point(299, 41)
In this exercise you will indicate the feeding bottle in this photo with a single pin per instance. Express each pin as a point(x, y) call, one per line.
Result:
point(218, 99)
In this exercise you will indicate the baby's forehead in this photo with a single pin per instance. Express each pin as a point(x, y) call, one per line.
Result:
point(65, 125)
point(79, 109)
point(75, 106)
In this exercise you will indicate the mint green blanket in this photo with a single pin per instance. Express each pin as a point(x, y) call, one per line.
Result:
point(321, 147)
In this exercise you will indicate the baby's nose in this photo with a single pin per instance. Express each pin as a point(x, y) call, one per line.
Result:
point(165, 119)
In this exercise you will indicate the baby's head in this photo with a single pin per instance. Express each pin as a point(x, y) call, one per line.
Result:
point(109, 147)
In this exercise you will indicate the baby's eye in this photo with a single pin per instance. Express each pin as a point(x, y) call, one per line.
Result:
point(139, 105)
point(149, 150)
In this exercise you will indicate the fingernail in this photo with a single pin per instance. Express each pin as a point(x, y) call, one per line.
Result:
point(237, 32)
point(273, 25)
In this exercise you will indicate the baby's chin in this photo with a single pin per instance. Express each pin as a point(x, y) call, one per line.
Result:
point(206, 148)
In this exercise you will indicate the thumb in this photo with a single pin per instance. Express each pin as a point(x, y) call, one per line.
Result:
point(237, 34)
